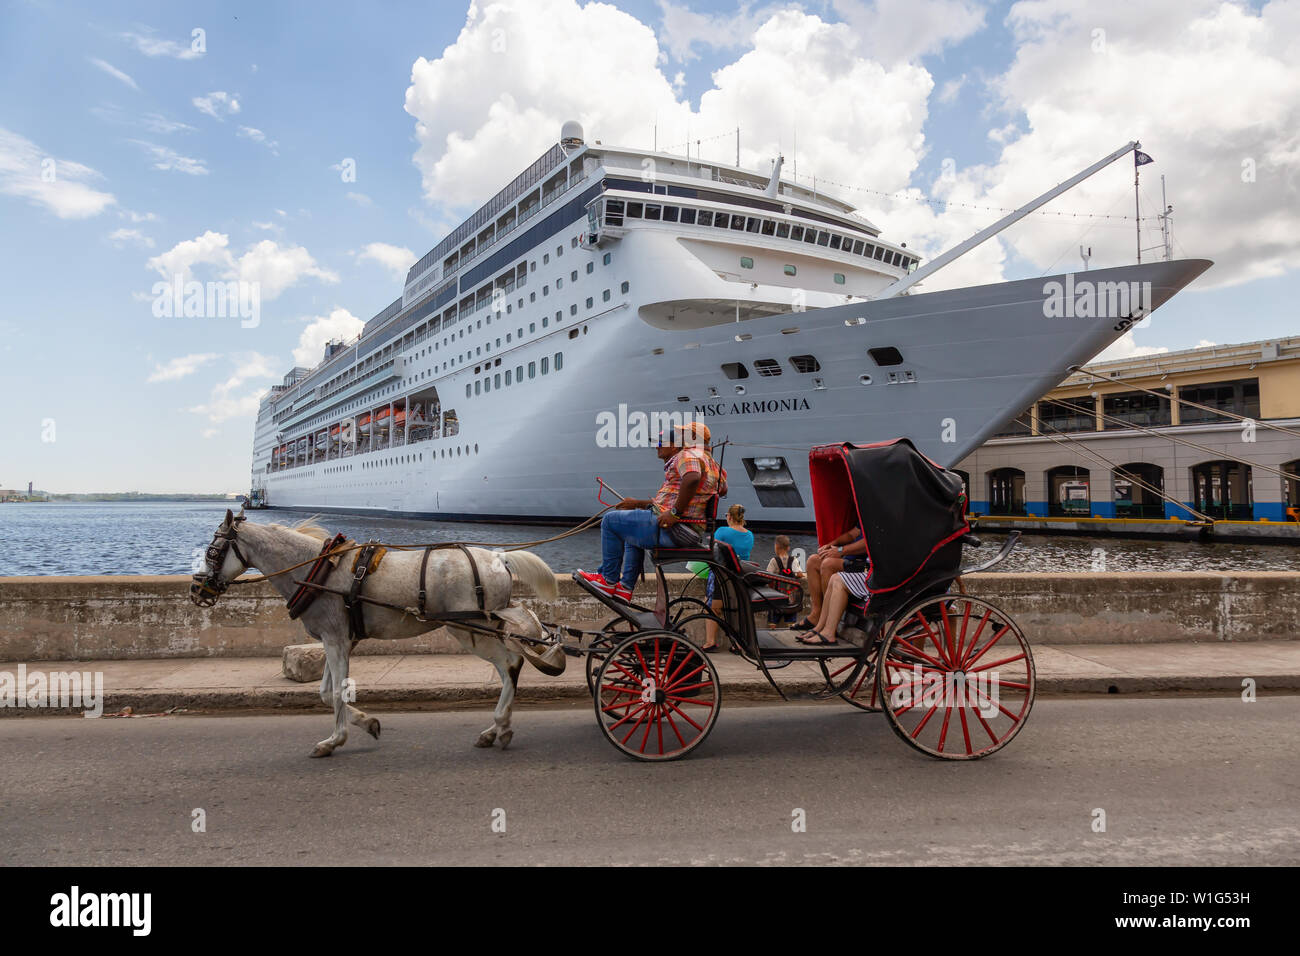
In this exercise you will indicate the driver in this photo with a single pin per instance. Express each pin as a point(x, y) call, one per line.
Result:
point(672, 519)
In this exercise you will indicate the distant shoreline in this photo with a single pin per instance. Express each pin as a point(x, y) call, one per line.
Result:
point(109, 497)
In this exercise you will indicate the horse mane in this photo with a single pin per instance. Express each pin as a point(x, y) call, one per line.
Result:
point(307, 527)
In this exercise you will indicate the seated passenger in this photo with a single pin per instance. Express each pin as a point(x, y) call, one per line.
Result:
point(822, 566)
point(674, 518)
point(844, 585)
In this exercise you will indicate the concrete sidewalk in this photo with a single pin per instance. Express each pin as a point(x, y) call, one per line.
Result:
point(204, 684)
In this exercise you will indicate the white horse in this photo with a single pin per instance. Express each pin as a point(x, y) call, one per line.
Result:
point(449, 581)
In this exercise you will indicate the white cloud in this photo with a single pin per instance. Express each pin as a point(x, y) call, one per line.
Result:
point(180, 367)
point(217, 103)
point(257, 136)
point(60, 185)
point(120, 237)
point(114, 72)
point(223, 403)
point(277, 267)
point(361, 199)
point(1227, 94)
point(138, 216)
point(268, 226)
point(396, 259)
point(1125, 348)
point(150, 122)
point(683, 29)
point(903, 30)
point(339, 324)
point(948, 92)
point(211, 248)
point(150, 45)
point(273, 266)
point(167, 159)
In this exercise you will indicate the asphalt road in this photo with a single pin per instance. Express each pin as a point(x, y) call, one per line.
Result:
point(1181, 780)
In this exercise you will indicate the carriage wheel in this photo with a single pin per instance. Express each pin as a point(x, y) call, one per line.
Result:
point(861, 692)
point(956, 677)
point(681, 607)
point(617, 629)
point(658, 696)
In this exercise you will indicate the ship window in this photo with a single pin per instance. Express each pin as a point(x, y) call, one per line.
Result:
point(496, 379)
point(559, 251)
point(532, 369)
point(653, 213)
point(769, 227)
point(507, 376)
point(624, 287)
point(688, 216)
point(822, 238)
point(783, 230)
point(705, 218)
point(559, 361)
point(573, 243)
point(590, 267)
point(608, 258)
point(532, 297)
point(754, 224)
point(573, 276)
point(487, 384)
point(746, 262)
point(735, 370)
point(721, 220)
point(546, 363)
point(805, 364)
point(790, 270)
point(670, 213)
point(589, 301)
point(573, 333)
point(467, 389)
point(767, 368)
point(738, 223)
point(532, 266)
point(546, 290)
point(545, 321)
point(857, 247)
point(796, 233)
point(878, 254)
point(604, 296)
point(839, 278)
point(546, 258)
point(886, 356)
point(519, 373)
point(634, 210)
point(573, 309)
point(835, 242)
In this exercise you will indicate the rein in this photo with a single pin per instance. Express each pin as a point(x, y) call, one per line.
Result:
point(436, 546)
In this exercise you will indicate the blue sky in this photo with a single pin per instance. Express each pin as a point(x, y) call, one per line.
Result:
point(128, 111)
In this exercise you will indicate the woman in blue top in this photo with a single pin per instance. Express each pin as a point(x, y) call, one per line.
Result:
point(742, 542)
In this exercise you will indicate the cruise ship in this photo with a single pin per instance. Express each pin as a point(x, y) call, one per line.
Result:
point(606, 292)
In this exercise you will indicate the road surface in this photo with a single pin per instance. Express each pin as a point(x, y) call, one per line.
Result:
point(1180, 780)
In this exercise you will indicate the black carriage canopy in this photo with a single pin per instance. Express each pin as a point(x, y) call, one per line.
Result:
point(907, 506)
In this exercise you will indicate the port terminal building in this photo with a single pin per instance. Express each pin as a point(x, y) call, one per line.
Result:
point(1114, 435)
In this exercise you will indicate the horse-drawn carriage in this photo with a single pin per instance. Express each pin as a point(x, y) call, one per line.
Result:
point(953, 673)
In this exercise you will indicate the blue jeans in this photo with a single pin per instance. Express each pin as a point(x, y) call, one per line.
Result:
point(624, 538)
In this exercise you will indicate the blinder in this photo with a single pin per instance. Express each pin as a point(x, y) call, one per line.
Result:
point(208, 587)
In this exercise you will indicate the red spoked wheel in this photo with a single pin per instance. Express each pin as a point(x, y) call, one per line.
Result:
point(616, 629)
point(862, 690)
point(955, 677)
point(658, 696)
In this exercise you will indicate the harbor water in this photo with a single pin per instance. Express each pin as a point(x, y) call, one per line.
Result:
point(168, 537)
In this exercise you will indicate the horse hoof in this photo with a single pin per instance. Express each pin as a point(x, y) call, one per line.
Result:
point(485, 739)
point(505, 738)
point(320, 750)
point(372, 727)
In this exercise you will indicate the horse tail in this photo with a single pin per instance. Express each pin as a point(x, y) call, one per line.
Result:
point(532, 571)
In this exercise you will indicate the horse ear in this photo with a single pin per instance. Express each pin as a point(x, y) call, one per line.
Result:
point(240, 516)
point(230, 518)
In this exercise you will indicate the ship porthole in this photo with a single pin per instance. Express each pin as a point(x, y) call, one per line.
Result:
point(740, 390)
point(864, 379)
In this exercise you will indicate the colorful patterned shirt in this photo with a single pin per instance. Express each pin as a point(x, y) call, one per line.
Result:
point(683, 463)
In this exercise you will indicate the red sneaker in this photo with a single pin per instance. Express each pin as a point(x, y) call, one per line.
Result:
point(597, 580)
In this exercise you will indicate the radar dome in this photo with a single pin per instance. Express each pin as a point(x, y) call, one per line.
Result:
point(571, 133)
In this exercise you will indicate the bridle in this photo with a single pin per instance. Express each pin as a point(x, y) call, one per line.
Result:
point(208, 587)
